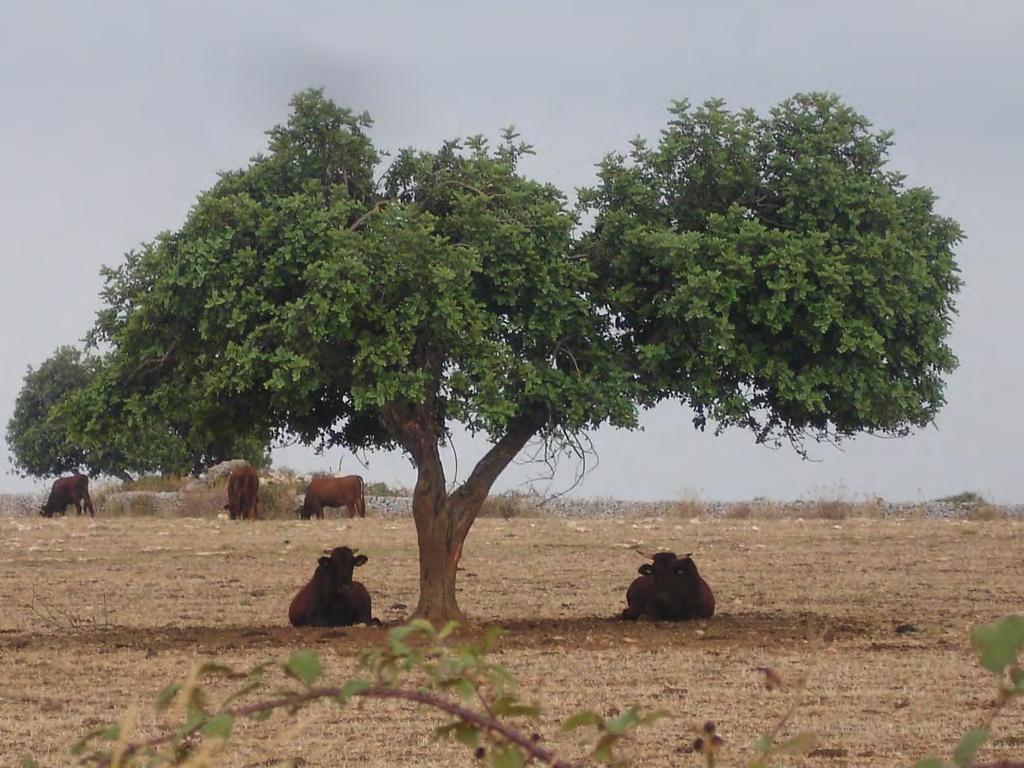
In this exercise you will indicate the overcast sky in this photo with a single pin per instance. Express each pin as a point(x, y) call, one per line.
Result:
point(114, 115)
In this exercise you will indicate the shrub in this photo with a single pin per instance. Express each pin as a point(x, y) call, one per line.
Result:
point(508, 506)
point(156, 483)
point(482, 703)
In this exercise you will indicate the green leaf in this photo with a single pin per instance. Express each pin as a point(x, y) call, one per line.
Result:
point(111, 733)
point(304, 666)
point(932, 762)
point(512, 707)
point(580, 719)
point(968, 746)
point(800, 744)
point(447, 630)
point(29, 763)
point(351, 688)
point(219, 726)
point(466, 734)
point(764, 744)
point(619, 725)
point(1017, 678)
point(491, 638)
point(605, 745)
point(999, 643)
point(217, 669)
point(506, 757)
point(166, 696)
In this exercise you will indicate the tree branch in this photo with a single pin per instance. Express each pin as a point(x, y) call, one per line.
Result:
point(486, 471)
point(486, 722)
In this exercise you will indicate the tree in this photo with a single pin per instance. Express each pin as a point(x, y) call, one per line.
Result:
point(44, 431)
point(737, 267)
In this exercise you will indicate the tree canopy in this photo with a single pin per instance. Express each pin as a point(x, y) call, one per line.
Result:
point(771, 272)
point(45, 432)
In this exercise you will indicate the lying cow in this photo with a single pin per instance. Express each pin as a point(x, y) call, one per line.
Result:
point(331, 598)
point(243, 486)
point(65, 491)
point(669, 589)
point(334, 492)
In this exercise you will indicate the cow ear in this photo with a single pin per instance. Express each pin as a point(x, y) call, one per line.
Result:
point(324, 561)
point(646, 569)
point(359, 560)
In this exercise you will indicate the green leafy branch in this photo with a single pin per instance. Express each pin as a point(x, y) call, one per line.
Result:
point(486, 697)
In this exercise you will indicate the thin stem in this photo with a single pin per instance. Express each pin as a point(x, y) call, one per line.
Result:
point(486, 722)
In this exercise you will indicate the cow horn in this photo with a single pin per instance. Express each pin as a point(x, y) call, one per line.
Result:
point(683, 557)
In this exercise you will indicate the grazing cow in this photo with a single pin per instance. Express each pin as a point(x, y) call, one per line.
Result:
point(669, 589)
point(68, 490)
point(331, 598)
point(243, 485)
point(334, 492)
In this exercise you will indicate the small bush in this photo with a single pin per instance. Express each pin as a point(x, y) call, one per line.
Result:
point(688, 508)
point(277, 501)
point(156, 483)
point(383, 489)
point(966, 497)
point(984, 512)
point(507, 506)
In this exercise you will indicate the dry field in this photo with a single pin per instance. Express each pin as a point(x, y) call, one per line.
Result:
point(99, 615)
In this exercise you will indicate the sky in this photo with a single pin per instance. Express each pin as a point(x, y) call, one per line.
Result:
point(115, 115)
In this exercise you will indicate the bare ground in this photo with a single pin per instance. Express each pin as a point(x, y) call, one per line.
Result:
point(99, 615)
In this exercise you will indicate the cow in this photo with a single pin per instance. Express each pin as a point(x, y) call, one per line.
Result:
point(243, 485)
point(68, 490)
point(669, 589)
point(333, 492)
point(331, 598)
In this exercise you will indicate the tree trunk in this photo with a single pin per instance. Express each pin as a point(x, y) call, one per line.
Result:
point(443, 521)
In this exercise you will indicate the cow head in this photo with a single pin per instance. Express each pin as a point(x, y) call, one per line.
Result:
point(666, 566)
point(344, 561)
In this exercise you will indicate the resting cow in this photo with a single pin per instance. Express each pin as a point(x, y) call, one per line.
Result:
point(65, 491)
point(331, 598)
point(669, 589)
point(334, 492)
point(243, 486)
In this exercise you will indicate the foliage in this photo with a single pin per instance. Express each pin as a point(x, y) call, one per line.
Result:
point(46, 437)
point(965, 497)
point(38, 436)
point(772, 273)
point(999, 646)
point(482, 705)
point(478, 698)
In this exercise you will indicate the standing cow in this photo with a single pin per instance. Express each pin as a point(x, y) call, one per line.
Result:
point(334, 492)
point(65, 491)
point(669, 589)
point(243, 486)
point(331, 598)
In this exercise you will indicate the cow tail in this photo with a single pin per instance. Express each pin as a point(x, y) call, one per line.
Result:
point(362, 498)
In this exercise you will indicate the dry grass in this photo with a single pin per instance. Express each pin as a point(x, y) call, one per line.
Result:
point(100, 615)
point(687, 508)
point(509, 506)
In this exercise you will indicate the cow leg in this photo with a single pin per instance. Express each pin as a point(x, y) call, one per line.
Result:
point(89, 507)
point(78, 506)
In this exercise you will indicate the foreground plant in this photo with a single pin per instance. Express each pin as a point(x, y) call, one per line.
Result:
point(482, 706)
point(478, 697)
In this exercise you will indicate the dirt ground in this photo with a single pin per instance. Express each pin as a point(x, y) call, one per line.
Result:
point(99, 615)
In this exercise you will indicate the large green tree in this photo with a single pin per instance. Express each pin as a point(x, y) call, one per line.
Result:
point(770, 272)
point(47, 433)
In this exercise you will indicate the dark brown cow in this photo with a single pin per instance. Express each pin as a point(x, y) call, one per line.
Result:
point(334, 492)
point(669, 589)
point(65, 491)
point(243, 487)
point(331, 598)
